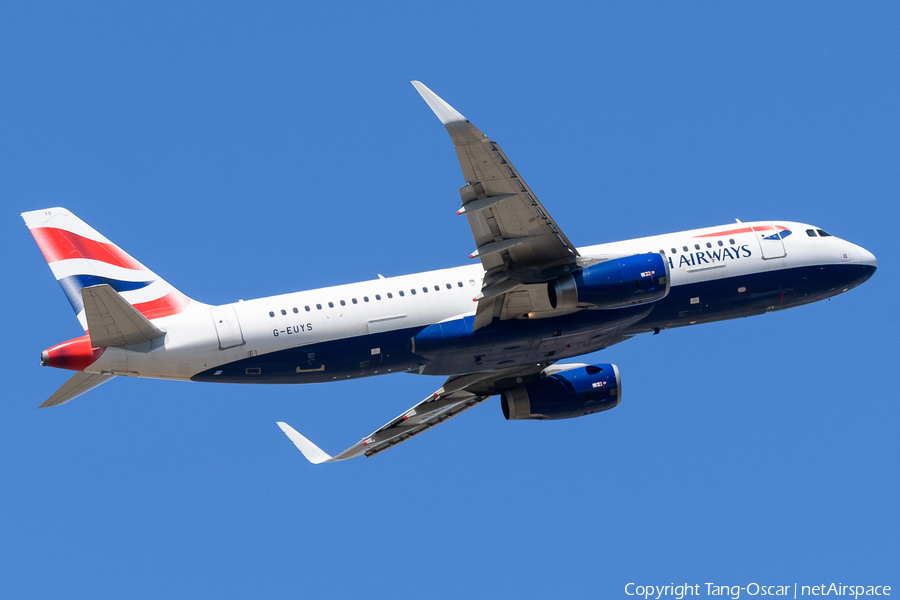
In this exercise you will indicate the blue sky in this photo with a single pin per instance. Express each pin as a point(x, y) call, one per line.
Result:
point(243, 151)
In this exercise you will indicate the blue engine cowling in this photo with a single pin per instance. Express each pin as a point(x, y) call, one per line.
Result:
point(576, 392)
point(614, 283)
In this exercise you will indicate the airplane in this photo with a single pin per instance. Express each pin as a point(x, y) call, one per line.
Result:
point(498, 326)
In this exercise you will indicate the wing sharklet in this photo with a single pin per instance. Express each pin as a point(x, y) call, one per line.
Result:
point(446, 113)
point(313, 453)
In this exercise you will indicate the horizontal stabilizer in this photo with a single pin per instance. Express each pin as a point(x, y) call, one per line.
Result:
point(80, 383)
point(112, 321)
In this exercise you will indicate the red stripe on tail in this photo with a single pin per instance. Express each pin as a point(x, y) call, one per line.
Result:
point(172, 303)
point(59, 244)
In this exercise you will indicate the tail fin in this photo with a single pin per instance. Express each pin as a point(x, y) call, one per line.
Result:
point(80, 257)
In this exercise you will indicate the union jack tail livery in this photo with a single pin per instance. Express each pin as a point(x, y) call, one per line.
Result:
point(80, 257)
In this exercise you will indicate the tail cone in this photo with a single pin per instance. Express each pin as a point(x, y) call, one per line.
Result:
point(74, 355)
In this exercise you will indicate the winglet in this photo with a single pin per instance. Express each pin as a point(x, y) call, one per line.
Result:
point(313, 453)
point(446, 113)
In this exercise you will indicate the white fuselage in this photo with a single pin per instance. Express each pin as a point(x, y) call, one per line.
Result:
point(197, 339)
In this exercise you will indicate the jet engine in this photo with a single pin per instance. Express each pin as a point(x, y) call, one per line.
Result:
point(615, 283)
point(580, 390)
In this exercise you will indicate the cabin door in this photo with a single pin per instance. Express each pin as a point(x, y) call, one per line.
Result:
point(228, 328)
point(770, 243)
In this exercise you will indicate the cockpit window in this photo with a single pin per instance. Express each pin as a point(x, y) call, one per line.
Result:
point(811, 232)
point(823, 233)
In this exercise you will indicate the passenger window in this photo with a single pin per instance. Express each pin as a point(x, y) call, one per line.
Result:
point(413, 291)
point(437, 288)
point(319, 306)
point(390, 295)
point(378, 296)
point(449, 286)
point(307, 308)
point(696, 246)
point(471, 282)
point(731, 241)
point(663, 252)
point(295, 310)
point(720, 243)
point(271, 313)
point(354, 301)
point(401, 293)
point(708, 245)
point(343, 303)
point(283, 312)
point(331, 305)
point(365, 298)
point(685, 248)
point(811, 232)
point(459, 283)
point(823, 234)
point(425, 289)
point(674, 251)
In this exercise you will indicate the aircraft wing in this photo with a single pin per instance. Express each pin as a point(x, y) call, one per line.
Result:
point(458, 394)
point(516, 239)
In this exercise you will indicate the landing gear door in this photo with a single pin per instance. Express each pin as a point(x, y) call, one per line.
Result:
point(228, 327)
point(770, 240)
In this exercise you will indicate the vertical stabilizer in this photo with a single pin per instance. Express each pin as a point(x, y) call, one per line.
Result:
point(81, 257)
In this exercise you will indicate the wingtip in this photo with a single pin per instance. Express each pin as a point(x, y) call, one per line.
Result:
point(313, 453)
point(446, 113)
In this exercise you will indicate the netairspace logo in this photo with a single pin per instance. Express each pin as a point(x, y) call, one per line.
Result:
point(678, 592)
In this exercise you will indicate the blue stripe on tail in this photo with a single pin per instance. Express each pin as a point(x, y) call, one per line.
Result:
point(72, 285)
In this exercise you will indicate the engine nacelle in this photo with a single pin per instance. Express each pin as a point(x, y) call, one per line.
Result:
point(584, 390)
point(614, 283)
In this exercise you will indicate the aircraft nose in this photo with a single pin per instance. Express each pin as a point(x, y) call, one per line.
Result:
point(857, 255)
point(862, 263)
point(867, 258)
